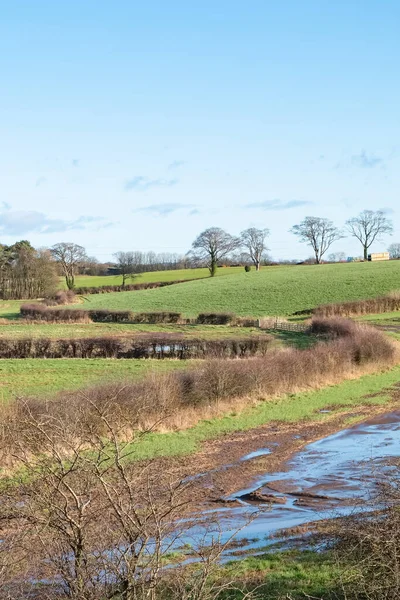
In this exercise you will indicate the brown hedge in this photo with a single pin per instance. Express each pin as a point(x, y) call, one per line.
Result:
point(155, 345)
point(129, 287)
point(382, 304)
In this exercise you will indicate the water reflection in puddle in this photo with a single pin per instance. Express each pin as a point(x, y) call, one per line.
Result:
point(326, 478)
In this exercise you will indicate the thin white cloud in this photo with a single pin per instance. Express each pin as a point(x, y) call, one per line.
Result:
point(162, 210)
point(278, 204)
point(22, 222)
point(142, 184)
point(176, 164)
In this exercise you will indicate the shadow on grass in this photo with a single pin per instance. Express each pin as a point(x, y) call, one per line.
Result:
point(298, 339)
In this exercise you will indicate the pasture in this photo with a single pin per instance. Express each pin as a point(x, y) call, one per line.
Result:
point(45, 377)
point(278, 290)
point(149, 277)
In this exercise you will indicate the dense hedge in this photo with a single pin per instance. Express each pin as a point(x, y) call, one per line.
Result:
point(382, 304)
point(40, 312)
point(129, 287)
point(146, 346)
point(216, 319)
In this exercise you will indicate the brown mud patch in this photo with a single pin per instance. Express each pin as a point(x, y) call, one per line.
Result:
point(234, 461)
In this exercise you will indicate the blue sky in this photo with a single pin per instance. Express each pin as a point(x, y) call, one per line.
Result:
point(135, 125)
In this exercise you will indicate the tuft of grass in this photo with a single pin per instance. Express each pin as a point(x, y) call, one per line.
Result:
point(291, 574)
point(279, 290)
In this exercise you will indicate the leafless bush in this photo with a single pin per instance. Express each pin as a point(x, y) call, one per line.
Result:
point(130, 287)
point(90, 525)
point(333, 328)
point(216, 319)
point(151, 345)
point(40, 312)
point(110, 316)
point(367, 546)
point(157, 317)
point(61, 297)
point(382, 304)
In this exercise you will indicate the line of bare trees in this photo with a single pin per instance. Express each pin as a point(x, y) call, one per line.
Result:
point(29, 273)
point(215, 245)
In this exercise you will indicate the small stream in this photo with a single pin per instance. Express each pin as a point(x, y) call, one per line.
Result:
point(329, 477)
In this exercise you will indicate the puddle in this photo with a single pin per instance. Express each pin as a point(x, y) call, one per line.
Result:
point(256, 454)
point(326, 478)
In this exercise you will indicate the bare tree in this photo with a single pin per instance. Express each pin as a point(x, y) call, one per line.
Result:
point(337, 257)
point(126, 262)
point(212, 245)
point(254, 241)
point(70, 257)
point(394, 250)
point(95, 524)
point(369, 227)
point(318, 233)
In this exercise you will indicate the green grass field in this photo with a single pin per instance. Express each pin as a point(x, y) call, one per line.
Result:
point(16, 329)
point(150, 277)
point(279, 290)
point(43, 377)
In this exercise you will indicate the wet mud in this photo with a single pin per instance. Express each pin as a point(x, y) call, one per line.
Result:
point(326, 478)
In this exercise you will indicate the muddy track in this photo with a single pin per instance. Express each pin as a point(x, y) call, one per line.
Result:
point(234, 462)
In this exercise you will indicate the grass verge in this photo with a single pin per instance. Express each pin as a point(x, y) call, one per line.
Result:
point(282, 575)
point(290, 408)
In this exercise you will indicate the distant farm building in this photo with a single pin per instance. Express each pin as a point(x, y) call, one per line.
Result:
point(378, 256)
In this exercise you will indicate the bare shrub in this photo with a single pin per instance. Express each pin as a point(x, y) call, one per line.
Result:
point(333, 328)
point(382, 304)
point(40, 312)
point(88, 525)
point(367, 546)
point(157, 317)
point(151, 345)
point(61, 297)
point(216, 319)
point(110, 316)
point(130, 287)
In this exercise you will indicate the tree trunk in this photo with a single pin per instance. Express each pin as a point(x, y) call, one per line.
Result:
point(365, 253)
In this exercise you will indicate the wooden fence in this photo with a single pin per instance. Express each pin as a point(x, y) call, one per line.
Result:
point(280, 325)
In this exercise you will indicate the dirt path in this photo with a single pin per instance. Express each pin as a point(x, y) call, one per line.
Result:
point(223, 465)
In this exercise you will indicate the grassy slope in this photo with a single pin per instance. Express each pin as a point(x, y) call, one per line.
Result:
point(94, 281)
point(46, 376)
point(273, 291)
point(9, 309)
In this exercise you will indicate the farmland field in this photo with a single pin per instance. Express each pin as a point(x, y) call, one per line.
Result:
point(85, 330)
point(279, 290)
point(44, 377)
point(150, 277)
